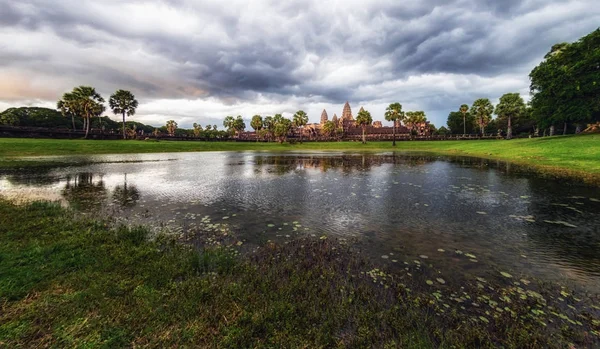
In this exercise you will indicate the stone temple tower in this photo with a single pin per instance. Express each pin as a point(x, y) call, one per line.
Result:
point(335, 119)
point(347, 113)
point(324, 117)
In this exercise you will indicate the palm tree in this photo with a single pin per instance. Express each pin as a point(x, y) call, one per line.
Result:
point(464, 109)
point(269, 125)
point(364, 119)
point(197, 129)
point(394, 114)
point(239, 125)
point(83, 101)
point(328, 128)
point(89, 103)
point(171, 127)
point(281, 127)
point(67, 106)
point(300, 120)
point(123, 102)
point(257, 124)
point(511, 105)
point(229, 123)
point(482, 109)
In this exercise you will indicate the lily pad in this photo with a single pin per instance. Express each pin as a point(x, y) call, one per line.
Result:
point(441, 281)
point(481, 212)
point(423, 256)
point(270, 225)
point(429, 282)
point(385, 256)
point(505, 274)
point(441, 250)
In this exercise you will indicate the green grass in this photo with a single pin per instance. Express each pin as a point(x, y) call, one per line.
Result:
point(564, 155)
point(75, 282)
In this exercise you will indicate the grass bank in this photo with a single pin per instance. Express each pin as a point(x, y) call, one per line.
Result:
point(67, 281)
point(577, 156)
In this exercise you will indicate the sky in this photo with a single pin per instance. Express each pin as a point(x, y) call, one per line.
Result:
point(199, 61)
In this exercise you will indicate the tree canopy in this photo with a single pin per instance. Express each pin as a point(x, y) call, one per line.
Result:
point(510, 108)
point(565, 86)
point(482, 109)
point(123, 103)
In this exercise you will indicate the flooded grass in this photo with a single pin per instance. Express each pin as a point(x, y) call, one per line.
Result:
point(69, 281)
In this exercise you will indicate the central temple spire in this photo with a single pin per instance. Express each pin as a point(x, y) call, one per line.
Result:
point(324, 117)
point(347, 113)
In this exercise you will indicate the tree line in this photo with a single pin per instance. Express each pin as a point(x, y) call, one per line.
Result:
point(564, 89)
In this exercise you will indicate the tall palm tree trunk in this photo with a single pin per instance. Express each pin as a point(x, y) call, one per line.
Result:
point(464, 124)
point(364, 139)
point(124, 136)
point(394, 134)
point(509, 129)
point(565, 129)
point(73, 121)
point(87, 127)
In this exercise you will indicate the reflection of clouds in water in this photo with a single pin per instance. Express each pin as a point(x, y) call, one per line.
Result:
point(420, 203)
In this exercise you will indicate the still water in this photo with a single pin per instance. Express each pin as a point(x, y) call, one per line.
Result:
point(394, 207)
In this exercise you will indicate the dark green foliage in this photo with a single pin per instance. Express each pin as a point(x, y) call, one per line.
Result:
point(36, 117)
point(455, 123)
point(566, 85)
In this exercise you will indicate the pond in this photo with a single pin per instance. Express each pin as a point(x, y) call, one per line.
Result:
point(472, 216)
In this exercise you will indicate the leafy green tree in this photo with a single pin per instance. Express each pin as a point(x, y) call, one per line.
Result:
point(482, 109)
point(394, 114)
point(282, 127)
point(9, 119)
point(457, 121)
point(442, 131)
point(364, 119)
point(123, 102)
point(171, 127)
point(565, 86)
point(511, 107)
point(300, 120)
point(464, 109)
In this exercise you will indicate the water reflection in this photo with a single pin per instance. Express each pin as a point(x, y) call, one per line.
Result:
point(85, 191)
point(126, 195)
point(408, 205)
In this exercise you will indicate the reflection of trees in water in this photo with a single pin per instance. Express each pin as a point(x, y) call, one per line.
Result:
point(34, 177)
point(347, 163)
point(85, 191)
point(126, 195)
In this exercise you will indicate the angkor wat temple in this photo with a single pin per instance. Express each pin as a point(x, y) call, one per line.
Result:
point(348, 127)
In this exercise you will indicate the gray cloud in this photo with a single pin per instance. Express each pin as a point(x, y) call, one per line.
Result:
point(430, 55)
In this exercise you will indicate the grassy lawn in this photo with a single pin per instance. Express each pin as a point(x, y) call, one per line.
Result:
point(67, 281)
point(569, 155)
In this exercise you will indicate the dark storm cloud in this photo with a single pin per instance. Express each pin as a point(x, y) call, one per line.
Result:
point(315, 50)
